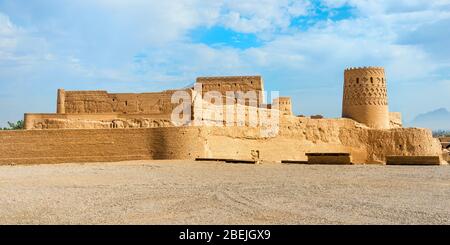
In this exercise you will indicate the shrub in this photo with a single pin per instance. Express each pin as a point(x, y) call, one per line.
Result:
point(14, 126)
point(441, 133)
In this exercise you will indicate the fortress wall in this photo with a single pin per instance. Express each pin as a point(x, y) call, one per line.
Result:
point(232, 83)
point(98, 145)
point(272, 149)
point(218, 114)
point(80, 102)
point(126, 103)
point(402, 142)
point(296, 137)
point(95, 121)
point(86, 102)
point(56, 146)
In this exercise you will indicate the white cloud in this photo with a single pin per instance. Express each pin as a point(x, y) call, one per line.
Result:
point(18, 47)
point(90, 44)
point(370, 7)
point(159, 21)
point(254, 16)
point(168, 20)
point(8, 38)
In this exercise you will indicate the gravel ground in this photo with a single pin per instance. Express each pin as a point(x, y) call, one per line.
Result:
point(180, 192)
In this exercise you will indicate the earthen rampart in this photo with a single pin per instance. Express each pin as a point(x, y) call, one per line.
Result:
point(297, 136)
point(82, 102)
point(228, 84)
point(35, 121)
point(94, 126)
point(98, 145)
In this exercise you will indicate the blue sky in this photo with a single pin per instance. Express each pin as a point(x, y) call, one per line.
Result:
point(300, 48)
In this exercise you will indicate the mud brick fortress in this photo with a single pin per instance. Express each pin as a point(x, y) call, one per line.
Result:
point(93, 126)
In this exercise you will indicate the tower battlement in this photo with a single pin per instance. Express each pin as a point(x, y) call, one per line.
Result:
point(364, 68)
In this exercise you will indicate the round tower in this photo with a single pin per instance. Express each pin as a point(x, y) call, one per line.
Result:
point(365, 96)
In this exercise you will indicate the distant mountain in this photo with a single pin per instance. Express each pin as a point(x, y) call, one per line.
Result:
point(436, 120)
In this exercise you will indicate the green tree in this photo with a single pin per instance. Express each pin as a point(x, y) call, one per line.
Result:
point(441, 133)
point(14, 126)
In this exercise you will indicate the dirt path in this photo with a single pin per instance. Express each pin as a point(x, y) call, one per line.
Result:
point(176, 192)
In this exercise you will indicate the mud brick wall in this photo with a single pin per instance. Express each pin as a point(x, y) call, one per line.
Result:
point(97, 145)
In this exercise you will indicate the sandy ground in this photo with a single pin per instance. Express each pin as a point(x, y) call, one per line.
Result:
point(176, 192)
